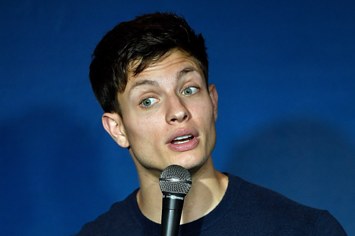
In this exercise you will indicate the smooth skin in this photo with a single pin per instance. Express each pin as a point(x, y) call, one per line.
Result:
point(168, 116)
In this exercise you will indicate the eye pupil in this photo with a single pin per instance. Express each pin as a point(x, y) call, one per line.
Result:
point(146, 102)
point(190, 91)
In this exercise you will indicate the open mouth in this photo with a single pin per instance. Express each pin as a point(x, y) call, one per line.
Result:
point(182, 139)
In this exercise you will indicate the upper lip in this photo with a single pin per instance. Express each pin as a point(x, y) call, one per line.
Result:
point(182, 133)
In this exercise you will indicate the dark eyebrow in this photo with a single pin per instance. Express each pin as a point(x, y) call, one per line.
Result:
point(144, 82)
point(185, 71)
point(179, 75)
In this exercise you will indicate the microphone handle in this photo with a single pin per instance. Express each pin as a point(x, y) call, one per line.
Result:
point(171, 215)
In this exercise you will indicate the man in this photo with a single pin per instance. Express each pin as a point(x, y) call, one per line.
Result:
point(150, 76)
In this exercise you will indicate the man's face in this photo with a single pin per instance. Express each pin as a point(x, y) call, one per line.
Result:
point(168, 114)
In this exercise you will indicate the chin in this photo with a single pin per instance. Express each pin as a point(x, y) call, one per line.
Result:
point(192, 164)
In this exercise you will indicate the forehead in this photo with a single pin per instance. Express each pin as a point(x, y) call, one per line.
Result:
point(171, 62)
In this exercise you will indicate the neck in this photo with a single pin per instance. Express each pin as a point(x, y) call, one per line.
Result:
point(208, 188)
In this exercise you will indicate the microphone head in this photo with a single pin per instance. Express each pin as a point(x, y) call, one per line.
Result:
point(175, 180)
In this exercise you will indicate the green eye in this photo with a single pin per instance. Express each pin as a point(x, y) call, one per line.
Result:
point(189, 91)
point(148, 102)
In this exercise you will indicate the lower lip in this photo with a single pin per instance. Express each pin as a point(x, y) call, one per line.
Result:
point(183, 147)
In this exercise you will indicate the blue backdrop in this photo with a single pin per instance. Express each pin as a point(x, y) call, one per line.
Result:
point(285, 72)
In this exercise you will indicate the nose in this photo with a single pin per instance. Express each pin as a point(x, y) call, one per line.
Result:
point(177, 111)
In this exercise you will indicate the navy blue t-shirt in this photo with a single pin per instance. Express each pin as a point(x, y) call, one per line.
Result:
point(246, 209)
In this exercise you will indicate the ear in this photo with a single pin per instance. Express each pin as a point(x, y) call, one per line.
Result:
point(214, 98)
point(113, 124)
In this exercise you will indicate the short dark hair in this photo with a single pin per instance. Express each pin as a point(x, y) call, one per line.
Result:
point(145, 39)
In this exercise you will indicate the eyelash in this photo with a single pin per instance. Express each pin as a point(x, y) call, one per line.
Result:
point(183, 92)
point(147, 99)
point(196, 89)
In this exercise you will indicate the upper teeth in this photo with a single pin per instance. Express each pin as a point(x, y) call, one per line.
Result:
point(182, 137)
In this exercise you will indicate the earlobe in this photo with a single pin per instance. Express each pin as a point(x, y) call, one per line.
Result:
point(112, 123)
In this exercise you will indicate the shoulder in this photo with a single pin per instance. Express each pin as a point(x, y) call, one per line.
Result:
point(267, 208)
point(117, 219)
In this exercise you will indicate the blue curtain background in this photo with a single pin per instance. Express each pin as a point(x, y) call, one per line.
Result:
point(285, 72)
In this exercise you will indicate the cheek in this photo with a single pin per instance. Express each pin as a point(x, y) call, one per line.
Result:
point(204, 110)
point(143, 129)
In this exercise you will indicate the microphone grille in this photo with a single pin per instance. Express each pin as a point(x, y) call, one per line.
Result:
point(175, 179)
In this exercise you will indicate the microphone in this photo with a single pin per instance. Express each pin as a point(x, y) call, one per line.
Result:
point(175, 182)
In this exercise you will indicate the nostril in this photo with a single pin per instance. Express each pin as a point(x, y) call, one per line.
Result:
point(179, 117)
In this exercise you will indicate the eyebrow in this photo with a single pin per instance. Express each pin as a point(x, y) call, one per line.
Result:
point(179, 75)
point(185, 71)
point(144, 82)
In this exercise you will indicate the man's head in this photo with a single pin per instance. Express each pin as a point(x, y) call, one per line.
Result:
point(132, 46)
point(150, 76)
